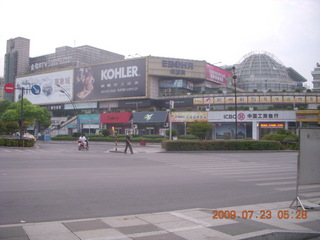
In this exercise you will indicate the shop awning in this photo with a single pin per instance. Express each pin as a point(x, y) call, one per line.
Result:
point(123, 117)
point(150, 117)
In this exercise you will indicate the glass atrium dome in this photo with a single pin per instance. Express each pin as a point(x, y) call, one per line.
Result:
point(264, 72)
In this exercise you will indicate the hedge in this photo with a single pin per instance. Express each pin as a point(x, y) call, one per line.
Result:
point(219, 145)
point(13, 142)
point(120, 138)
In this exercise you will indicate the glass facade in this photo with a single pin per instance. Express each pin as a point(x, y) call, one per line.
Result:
point(263, 72)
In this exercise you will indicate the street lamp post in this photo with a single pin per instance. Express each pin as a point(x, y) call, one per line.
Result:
point(71, 101)
point(21, 114)
point(235, 101)
point(67, 94)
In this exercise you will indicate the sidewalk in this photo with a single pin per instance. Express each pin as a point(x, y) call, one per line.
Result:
point(262, 221)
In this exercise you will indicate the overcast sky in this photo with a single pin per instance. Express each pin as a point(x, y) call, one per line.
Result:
point(211, 30)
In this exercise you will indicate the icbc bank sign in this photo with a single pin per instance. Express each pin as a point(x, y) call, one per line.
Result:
point(252, 116)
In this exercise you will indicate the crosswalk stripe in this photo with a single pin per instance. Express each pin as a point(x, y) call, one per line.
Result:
point(266, 179)
point(281, 176)
point(300, 187)
point(243, 169)
point(231, 171)
point(275, 183)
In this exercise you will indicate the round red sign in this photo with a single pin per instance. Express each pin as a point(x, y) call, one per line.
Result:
point(9, 87)
point(241, 116)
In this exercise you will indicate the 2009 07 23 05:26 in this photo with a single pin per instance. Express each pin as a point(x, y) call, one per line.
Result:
point(262, 214)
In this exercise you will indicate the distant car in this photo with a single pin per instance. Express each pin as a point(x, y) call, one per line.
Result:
point(28, 135)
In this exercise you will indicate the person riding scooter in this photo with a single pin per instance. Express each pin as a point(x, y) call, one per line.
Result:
point(83, 140)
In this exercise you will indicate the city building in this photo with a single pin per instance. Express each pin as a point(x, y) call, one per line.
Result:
point(316, 78)
point(99, 90)
point(2, 88)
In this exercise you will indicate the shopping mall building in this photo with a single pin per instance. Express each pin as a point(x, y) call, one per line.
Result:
point(102, 90)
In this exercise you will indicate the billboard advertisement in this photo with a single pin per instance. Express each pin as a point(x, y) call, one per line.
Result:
point(288, 99)
point(217, 75)
point(219, 100)
point(175, 83)
point(253, 99)
point(276, 99)
point(265, 99)
point(49, 92)
point(197, 101)
point(242, 99)
point(113, 80)
point(311, 99)
point(229, 99)
point(189, 116)
point(300, 99)
point(208, 100)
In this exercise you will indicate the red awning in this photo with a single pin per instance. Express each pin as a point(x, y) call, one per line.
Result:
point(123, 117)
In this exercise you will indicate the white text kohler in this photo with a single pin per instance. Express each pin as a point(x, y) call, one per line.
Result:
point(122, 72)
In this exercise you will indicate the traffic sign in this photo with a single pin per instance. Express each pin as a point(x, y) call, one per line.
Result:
point(9, 88)
point(35, 89)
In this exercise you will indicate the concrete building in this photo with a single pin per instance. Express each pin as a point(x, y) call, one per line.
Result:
point(90, 81)
point(316, 77)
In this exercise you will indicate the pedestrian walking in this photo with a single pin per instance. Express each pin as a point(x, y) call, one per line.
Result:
point(128, 144)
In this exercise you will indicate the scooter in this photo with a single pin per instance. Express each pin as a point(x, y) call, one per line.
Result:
point(82, 146)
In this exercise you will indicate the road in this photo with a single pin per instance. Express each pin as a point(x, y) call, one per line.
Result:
point(55, 181)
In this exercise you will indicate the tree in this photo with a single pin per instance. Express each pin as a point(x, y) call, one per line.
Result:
point(11, 127)
point(42, 116)
point(31, 113)
point(199, 129)
point(2, 127)
point(10, 115)
point(4, 105)
point(174, 132)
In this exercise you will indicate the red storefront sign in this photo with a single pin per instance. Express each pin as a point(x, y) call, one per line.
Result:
point(123, 117)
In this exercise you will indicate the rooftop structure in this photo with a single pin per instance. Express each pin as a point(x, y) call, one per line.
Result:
point(316, 77)
point(263, 71)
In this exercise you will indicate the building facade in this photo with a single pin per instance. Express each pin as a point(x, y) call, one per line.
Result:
point(316, 77)
point(90, 81)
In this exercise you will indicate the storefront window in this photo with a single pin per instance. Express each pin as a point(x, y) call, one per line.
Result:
point(227, 131)
point(270, 128)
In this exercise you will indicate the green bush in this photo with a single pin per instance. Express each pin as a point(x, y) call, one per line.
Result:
point(287, 139)
point(16, 142)
point(189, 136)
point(3, 142)
point(219, 145)
point(111, 138)
point(12, 143)
point(174, 132)
point(75, 134)
point(105, 132)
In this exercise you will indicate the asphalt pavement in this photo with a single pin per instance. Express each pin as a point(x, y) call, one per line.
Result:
point(277, 220)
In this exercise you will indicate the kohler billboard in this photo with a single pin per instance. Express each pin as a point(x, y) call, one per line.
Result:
point(114, 80)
